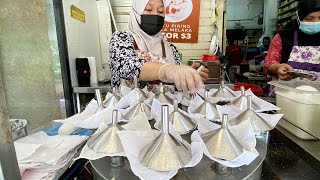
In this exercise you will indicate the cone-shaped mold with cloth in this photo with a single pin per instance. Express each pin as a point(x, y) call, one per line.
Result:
point(207, 109)
point(165, 153)
point(137, 89)
point(140, 107)
point(241, 101)
point(162, 97)
point(99, 99)
point(113, 99)
point(223, 91)
point(221, 143)
point(107, 141)
point(181, 122)
point(259, 124)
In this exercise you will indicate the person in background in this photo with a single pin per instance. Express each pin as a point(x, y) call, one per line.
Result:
point(265, 45)
point(297, 48)
point(263, 50)
point(144, 52)
point(233, 52)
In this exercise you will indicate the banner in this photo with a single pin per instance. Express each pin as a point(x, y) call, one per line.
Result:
point(182, 21)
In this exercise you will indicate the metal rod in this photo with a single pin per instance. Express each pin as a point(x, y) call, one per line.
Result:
point(99, 97)
point(114, 117)
point(243, 92)
point(175, 104)
point(141, 102)
point(161, 90)
point(224, 121)
point(165, 119)
point(9, 168)
point(205, 95)
point(135, 81)
point(249, 102)
point(78, 103)
point(117, 161)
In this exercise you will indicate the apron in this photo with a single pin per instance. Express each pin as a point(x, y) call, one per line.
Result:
point(304, 59)
point(148, 56)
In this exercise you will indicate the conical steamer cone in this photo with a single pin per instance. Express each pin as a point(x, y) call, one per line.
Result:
point(99, 99)
point(141, 107)
point(113, 100)
point(107, 141)
point(207, 109)
point(162, 97)
point(165, 153)
point(223, 92)
point(241, 100)
point(221, 143)
point(258, 123)
point(137, 89)
point(181, 122)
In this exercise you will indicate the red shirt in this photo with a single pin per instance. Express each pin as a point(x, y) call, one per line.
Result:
point(234, 54)
point(274, 53)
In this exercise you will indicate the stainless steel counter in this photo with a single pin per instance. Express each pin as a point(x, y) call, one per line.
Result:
point(311, 147)
point(289, 157)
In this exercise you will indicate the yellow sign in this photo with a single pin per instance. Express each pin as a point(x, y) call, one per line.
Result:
point(78, 14)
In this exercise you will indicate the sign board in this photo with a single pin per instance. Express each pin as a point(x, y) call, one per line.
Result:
point(78, 14)
point(182, 21)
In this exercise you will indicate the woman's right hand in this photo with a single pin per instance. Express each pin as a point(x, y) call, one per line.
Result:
point(283, 70)
point(184, 77)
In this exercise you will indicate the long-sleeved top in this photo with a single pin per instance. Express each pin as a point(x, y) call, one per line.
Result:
point(124, 60)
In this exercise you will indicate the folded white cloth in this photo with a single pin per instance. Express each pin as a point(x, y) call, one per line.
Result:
point(42, 153)
point(244, 135)
point(134, 141)
point(261, 104)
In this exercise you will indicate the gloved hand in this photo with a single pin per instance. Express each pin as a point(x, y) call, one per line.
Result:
point(184, 77)
point(283, 72)
point(204, 73)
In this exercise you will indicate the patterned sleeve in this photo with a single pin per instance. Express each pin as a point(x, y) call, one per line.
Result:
point(176, 54)
point(124, 62)
point(274, 53)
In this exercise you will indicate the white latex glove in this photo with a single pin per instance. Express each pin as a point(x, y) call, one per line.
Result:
point(184, 77)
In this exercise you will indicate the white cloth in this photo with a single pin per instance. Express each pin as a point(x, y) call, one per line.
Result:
point(44, 154)
point(243, 134)
point(261, 104)
point(134, 141)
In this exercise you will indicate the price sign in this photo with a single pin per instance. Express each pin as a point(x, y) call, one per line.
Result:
point(182, 21)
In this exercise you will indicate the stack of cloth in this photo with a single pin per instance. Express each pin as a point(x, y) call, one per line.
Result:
point(41, 154)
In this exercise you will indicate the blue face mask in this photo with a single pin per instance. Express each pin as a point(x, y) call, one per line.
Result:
point(310, 27)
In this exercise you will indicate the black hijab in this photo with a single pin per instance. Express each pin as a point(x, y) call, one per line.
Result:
point(305, 7)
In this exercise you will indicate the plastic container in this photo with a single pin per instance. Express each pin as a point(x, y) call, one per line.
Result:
point(213, 63)
point(256, 90)
point(301, 108)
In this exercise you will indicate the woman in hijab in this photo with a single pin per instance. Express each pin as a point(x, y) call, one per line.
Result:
point(298, 48)
point(144, 52)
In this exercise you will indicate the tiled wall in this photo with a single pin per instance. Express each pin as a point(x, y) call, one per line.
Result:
point(26, 62)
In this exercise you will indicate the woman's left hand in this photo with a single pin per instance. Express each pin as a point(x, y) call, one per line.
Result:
point(204, 73)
